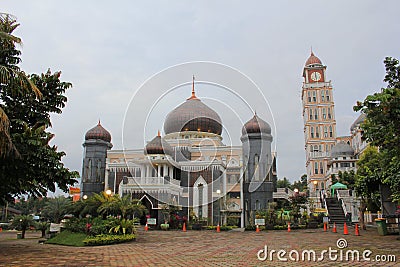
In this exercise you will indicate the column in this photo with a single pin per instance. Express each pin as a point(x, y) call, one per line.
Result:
point(159, 170)
point(148, 171)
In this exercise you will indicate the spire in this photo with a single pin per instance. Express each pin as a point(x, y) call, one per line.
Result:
point(312, 53)
point(193, 92)
point(158, 133)
point(99, 122)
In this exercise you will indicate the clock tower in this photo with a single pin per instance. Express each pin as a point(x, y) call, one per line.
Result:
point(319, 124)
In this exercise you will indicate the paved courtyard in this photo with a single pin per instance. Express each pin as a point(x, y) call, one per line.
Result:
point(202, 248)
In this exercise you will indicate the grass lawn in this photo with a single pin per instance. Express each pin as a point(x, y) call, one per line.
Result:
point(67, 238)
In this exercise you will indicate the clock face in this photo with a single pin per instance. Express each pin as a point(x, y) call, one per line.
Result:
point(315, 76)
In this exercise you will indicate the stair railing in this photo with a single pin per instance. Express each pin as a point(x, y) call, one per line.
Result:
point(340, 199)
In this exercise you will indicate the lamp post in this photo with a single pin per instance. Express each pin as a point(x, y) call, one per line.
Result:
point(219, 206)
point(315, 182)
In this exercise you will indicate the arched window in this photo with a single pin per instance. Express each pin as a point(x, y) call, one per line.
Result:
point(321, 168)
point(324, 112)
point(329, 113)
point(312, 132)
point(330, 131)
point(325, 131)
point(309, 96)
point(323, 96)
point(327, 96)
point(316, 148)
point(89, 170)
point(200, 211)
point(316, 114)
point(310, 111)
point(314, 96)
point(317, 132)
point(315, 167)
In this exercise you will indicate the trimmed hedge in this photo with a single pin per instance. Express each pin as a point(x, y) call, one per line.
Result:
point(107, 239)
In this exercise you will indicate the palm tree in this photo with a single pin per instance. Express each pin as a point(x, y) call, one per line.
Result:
point(56, 208)
point(22, 222)
point(123, 206)
point(42, 226)
point(11, 76)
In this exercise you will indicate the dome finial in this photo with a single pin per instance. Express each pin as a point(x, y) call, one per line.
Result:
point(158, 133)
point(312, 52)
point(99, 122)
point(193, 92)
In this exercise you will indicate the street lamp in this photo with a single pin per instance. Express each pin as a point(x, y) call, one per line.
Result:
point(219, 205)
point(108, 192)
point(315, 182)
point(84, 197)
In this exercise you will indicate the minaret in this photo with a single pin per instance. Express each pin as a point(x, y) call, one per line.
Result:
point(258, 181)
point(97, 142)
point(319, 124)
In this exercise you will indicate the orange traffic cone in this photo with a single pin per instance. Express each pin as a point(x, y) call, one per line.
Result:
point(184, 227)
point(357, 231)
point(146, 228)
point(257, 229)
point(288, 227)
point(325, 227)
point(218, 229)
point(334, 228)
point(345, 230)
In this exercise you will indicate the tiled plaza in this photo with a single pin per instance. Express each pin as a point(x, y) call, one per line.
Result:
point(200, 248)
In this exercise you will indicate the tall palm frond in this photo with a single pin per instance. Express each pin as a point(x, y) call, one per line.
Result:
point(11, 75)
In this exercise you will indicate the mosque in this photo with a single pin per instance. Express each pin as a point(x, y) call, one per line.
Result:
point(188, 167)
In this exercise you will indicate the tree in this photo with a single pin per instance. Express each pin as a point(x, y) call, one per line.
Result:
point(11, 74)
point(122, 206)
point(56, 208)
point(382, 125)
point(39, 167)
point(23, 222)
point(285, 183)
point(42, 226)
point(302, 184)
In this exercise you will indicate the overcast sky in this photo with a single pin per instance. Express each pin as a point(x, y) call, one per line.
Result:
point(107, 49)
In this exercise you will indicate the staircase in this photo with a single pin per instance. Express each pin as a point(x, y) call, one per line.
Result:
point(335, 211)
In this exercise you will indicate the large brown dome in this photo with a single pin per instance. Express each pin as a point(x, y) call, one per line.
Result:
point(193, 115)
point(256, 125)
point(98, 132)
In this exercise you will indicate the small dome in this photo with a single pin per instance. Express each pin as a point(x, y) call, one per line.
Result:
point(98, 133)
point(158, 146)
point(193, 115)
point(256, 125)
point(342, 149)
point(313, 60)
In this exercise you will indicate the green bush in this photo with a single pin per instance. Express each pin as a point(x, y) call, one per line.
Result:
point(107, 239)
point(90, 226)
